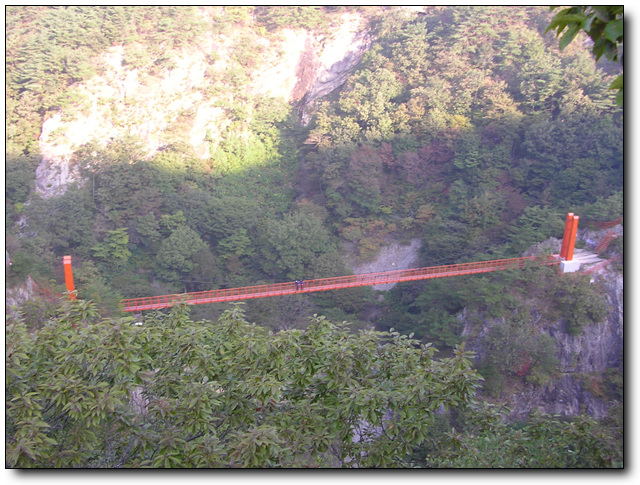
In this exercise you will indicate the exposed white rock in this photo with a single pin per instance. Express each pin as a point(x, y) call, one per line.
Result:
point(394, 256)
point(158, 108)
point(279, 78)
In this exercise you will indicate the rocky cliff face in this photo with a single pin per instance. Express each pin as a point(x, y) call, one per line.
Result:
point(581, 357)
point(311, 66)
point(158, 105)
point(17, 296)
point(598, 348)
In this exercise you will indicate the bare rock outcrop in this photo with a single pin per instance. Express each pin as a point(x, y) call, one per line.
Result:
point(333, 68)
point(391, 257)
point(16, 297)
point(160, 105)
point(599, 347)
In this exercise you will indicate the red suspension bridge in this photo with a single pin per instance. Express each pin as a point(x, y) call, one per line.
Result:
point(324, 284)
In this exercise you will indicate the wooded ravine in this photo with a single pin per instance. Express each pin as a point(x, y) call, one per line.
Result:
point(183, 149)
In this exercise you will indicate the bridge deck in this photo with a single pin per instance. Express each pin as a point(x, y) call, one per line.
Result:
point(325, 284)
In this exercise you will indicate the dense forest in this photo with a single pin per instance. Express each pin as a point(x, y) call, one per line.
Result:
point(467, 128)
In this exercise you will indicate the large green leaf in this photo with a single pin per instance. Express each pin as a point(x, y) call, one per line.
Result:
point(614, 30)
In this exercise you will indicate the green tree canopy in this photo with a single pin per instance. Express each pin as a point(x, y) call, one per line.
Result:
point(291, 244)
point(170, 392)
point(175, 256)
point(604, 24)
point(544, 442)
point(114, 249)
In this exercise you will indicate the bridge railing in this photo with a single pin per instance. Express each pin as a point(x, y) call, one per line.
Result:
point(603, 224)
point(324, 284)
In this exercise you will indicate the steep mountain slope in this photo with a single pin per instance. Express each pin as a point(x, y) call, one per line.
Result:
point(587, 375)
point(161, 105)
point(229, 146)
